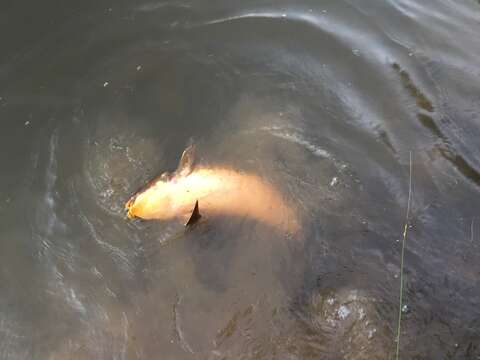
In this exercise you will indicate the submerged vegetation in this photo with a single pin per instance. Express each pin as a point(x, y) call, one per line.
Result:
point(444, 148)
point(422, 100)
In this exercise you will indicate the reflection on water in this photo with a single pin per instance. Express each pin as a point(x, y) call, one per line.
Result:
point(322, 101)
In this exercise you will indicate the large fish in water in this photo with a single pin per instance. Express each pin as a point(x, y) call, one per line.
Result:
point(211, 191)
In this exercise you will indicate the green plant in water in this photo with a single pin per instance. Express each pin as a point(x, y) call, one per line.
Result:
point(402, 258)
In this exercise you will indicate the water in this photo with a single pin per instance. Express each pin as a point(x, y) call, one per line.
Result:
point(325, 100)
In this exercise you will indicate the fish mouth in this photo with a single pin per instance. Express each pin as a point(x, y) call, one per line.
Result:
point(129, 206)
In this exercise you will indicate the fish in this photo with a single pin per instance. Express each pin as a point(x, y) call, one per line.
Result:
point(192, 192)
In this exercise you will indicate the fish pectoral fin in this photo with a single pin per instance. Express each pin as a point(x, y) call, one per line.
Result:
point(195, 216)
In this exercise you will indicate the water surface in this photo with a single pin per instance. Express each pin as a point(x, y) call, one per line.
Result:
point(324, 100)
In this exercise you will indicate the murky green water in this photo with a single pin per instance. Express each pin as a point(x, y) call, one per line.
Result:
point(324, 99)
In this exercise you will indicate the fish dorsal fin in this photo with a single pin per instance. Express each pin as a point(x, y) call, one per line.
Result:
point(194, 217)
point(185, 166)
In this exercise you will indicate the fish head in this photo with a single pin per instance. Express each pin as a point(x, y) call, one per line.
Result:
point(175, 196)
point(154, 202)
